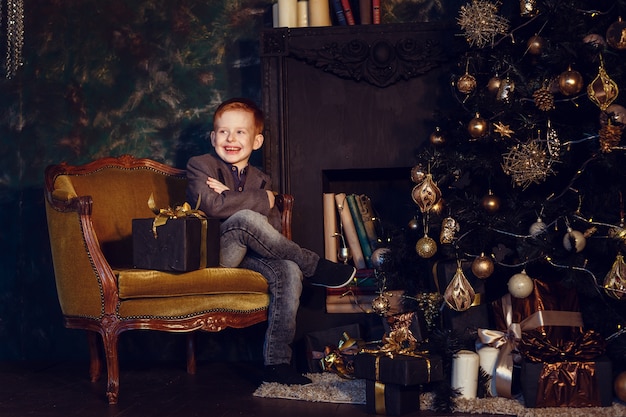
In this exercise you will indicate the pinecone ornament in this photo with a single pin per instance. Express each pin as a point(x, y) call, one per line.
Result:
point(610, 136)
point(544, 99)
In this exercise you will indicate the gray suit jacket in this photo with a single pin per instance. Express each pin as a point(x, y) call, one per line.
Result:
point(222, 206)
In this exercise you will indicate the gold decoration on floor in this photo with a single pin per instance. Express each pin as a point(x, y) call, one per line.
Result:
point(527, 163)
point(481, 23)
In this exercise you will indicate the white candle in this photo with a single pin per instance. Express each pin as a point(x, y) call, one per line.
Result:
point(319, 13)
point(465, 373)
point(488, 356)
point(303, 14)
point(287, 13)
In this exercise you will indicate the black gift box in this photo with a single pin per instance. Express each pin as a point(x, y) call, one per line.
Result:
point(391, 399)
point(178, 244)
point(399, 370)
point(599, 393)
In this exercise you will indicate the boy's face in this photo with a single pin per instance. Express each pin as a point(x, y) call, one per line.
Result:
point(234, 137)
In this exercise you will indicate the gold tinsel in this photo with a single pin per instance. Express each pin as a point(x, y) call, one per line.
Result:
point(481, 22)
point(610, 135)
point(527, 163)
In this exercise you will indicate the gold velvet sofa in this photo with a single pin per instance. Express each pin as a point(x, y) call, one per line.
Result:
point(89, 210)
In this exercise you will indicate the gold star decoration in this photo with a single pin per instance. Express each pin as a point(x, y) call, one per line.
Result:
point(503, 130)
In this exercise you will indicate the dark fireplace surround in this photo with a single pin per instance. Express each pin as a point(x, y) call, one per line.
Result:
point(346, 109)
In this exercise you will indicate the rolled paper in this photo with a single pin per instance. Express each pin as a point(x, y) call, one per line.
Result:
point(465, 373)
point(330, 227)
point(319, 13)
point(303, 14)
point(488, 356)
point(287, 13)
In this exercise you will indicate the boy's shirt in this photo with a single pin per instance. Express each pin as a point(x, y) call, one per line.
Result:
point(253, 196)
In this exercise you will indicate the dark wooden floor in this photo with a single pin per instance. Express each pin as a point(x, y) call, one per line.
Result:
point(152, 389)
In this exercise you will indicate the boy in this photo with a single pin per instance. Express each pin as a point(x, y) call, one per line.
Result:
point(241, 195)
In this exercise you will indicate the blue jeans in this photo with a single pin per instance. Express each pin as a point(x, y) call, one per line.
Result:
point(249, 241)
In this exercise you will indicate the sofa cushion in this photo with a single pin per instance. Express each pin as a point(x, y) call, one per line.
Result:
point(142, 283)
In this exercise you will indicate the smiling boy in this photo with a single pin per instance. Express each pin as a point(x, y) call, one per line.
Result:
point(241, 195)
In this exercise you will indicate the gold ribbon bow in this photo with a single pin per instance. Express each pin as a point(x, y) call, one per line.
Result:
point(336, 359)
point(164, 214)
point(506, 342)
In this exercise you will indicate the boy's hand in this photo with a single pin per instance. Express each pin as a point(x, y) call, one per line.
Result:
point(216, 186)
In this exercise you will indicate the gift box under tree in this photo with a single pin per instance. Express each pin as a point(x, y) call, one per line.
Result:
point(562, 365)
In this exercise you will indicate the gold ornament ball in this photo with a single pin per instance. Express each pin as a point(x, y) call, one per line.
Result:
point(535, 45)
point(619, 385)
point(491, 203)
point(414, 224)
point(426, 247)
point(477, 127)
point(437, 138)
point(493, 85)
point(520, 285)
point(482, 266)
point(466, 83)
point(570, 82)
point(615, 35)
point(574, 241)
point(381, 304)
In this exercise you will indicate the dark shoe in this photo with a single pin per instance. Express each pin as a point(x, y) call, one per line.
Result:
point(332, 275)
point(284, 374)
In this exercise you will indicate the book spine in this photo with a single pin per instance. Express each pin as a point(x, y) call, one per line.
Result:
point(376, 12)
point(338, 8)
point(360, 230)
point(367, 215)
point(347, 12)
point(330, 227)
point(349, 230)
point(319, 13)
point(365, 11)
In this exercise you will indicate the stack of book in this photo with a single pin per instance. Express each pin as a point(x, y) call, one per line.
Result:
point(305, 13)
point(349, 220)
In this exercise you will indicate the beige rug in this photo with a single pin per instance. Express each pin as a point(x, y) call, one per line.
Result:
point(328, 387)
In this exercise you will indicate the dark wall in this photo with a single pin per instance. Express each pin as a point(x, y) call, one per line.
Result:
point(103, 78)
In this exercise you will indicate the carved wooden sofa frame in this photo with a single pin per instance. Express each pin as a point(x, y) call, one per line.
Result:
point(90, 210)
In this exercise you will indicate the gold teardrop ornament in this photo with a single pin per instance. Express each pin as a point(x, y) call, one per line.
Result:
point(459, 294)
point(426, 194)
point(615, 280)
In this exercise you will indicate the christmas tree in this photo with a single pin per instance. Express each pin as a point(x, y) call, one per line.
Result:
point(524, 177)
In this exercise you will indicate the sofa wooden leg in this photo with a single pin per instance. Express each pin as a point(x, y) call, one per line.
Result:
point(191, 353)
point(95, 363)
point(110, 337)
